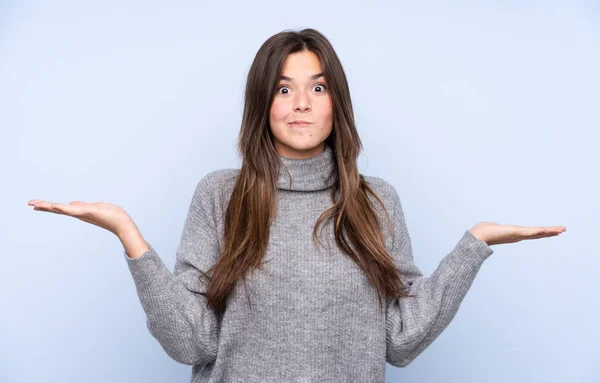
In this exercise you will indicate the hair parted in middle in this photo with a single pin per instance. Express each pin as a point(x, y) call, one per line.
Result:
point(253, 203)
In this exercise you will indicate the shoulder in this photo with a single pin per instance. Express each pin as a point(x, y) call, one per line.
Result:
point(384, 190)
point(220, 177)
point(388, 195)
point(218, 180)
point(215, 188)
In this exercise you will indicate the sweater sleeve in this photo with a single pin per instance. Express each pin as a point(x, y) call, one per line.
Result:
point(412, 324)
point(175, 303)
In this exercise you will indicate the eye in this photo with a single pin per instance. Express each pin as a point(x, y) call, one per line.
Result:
point(322, 86)
point(282, 87)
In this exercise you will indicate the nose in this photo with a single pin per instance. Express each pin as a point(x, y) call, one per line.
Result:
point(301, 102)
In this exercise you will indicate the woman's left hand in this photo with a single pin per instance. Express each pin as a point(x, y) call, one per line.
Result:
point(496, 234)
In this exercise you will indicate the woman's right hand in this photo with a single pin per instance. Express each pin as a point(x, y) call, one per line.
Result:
point(102, 214)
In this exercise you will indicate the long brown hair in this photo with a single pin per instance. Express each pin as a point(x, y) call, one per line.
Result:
point(253, 203)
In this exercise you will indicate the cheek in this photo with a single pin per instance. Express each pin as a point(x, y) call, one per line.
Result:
point(278, 112)
point(326, 110)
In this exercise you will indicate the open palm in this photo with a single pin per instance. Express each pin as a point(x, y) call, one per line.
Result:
point(102, 214)
point(495, 234)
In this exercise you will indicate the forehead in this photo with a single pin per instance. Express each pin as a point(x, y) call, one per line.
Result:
point(301, 65)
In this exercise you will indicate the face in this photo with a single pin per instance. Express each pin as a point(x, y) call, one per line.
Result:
point(302, 95)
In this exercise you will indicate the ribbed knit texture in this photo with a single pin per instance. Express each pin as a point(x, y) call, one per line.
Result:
point(313, 315)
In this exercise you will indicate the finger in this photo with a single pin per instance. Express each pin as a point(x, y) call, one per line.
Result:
point(559, 228)
point(63, 209)
point(53, 207)
point(555, 229)
point(58, 208)
point(44, 208)
point(532, 231)
point(544, 234)
point(549, 228)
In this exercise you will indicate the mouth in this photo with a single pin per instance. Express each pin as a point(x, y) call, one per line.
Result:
point(300, 123)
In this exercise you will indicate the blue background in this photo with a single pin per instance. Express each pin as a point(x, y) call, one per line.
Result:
point(474, 111)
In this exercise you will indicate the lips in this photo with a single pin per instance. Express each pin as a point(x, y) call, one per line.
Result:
point(300, 123)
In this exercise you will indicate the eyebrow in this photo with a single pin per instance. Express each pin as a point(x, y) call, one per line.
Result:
point(313, 77)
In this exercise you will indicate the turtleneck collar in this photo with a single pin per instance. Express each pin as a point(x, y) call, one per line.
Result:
point(314, 173)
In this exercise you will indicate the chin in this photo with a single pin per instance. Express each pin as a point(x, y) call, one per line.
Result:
point(298, 149)
point(304, 146)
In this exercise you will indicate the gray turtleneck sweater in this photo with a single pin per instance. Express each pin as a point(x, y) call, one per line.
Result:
point(314, 316)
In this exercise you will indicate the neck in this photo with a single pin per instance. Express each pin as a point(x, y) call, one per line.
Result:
point(308, 174)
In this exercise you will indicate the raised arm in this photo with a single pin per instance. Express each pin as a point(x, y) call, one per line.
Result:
point(174, 303)
point(175, 307)
point(414, 323)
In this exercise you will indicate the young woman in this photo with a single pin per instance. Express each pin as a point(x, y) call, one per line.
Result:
point(296, 268)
